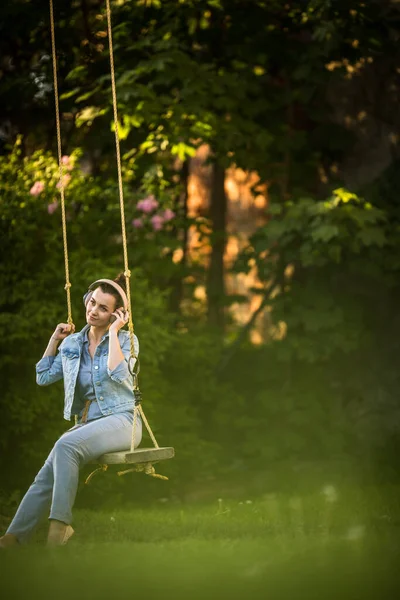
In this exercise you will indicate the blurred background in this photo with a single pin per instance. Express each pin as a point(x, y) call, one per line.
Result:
point(260, 155)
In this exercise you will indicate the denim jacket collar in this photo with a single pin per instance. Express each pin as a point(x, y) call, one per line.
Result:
point(82, 336)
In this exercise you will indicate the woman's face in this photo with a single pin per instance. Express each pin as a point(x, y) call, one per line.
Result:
point(99, 309)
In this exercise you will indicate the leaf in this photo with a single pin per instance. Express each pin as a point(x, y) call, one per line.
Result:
point(372, 236)
point(258, 70)
point(183, 150)
point(325, 233)
point(79, 72)
point(275, 229)
point(87, 95)
point(275, 209)
point(344, 195)
point(123, 128)
point(366, 214)
point(88, 114)
point(69, 94)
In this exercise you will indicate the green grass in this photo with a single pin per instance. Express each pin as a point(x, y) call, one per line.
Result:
point(334, 544)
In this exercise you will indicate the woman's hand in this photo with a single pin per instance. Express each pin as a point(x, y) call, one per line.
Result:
point(62, 331)
point(121, 319)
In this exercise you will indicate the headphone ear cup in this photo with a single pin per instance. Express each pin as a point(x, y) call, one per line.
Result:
point(87, 297)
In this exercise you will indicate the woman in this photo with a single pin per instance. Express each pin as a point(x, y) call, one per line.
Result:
point(99, 389)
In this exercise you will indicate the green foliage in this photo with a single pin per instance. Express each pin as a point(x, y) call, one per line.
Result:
point(327, 269)
point(321, 257)
point(310, 233)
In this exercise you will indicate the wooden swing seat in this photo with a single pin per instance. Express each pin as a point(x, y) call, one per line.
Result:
point(141, 461)
point(142, 455)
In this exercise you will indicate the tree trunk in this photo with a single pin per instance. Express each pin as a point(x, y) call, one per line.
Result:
point(215, 278)
point(176, 295)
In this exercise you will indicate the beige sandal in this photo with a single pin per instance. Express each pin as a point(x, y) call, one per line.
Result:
point(8, 540)
point(59, 533)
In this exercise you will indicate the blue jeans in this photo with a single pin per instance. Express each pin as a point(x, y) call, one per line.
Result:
point(56, 484)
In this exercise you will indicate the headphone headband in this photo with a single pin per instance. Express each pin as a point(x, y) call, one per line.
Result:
point(115, 285)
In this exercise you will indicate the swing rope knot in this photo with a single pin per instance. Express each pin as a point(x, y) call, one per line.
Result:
point(101, 468)
point(127, 273)
point(67, 286)
point(146, 468)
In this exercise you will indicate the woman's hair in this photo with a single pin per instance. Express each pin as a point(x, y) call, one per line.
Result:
point(106, 288)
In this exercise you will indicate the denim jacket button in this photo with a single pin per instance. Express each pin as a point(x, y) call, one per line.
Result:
point(101, 398)
point(96, 367)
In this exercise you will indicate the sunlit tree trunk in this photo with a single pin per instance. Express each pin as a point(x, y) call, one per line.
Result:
point(181, 210)
point(215, 275)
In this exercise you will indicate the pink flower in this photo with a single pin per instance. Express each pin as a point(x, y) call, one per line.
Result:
point(37, 188)
point(157, 221)
point(168, 215)
point(66, 162)
point(147, 205)
point(137, 223)
point(52, 207)
point(66, 179)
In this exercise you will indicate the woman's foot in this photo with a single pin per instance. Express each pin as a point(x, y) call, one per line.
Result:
point(8, 540)
point(59, 533)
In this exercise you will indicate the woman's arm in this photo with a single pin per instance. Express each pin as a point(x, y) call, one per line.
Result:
point(115, 354)
point(60, 333)
point(121, 370)
point(117, 364)
point(52, 346)
point(49, 368)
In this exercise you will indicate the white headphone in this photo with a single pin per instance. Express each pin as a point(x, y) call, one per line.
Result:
point(115, 285)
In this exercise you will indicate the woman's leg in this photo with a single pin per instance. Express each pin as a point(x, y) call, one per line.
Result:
point(34, 504)
point(56, 483)
point(80, 446)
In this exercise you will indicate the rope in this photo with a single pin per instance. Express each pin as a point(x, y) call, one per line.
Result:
point(67, 286)
point(135, 412)
point(85, 411)
point(151, 434)
point(127, 272)
point(101, 468)
point(146, 468)
point(139, 409)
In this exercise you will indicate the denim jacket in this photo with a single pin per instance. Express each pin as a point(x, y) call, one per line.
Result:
point(113, 389)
